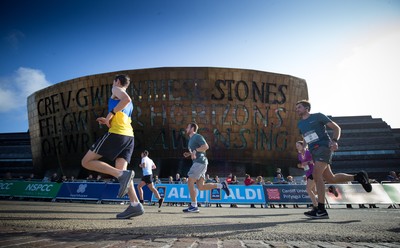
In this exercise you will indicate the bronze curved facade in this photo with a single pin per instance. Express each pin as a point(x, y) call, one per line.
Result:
point(247, 117)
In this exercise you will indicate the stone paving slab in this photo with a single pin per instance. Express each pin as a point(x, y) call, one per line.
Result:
point(69, 240)
point(55, 224)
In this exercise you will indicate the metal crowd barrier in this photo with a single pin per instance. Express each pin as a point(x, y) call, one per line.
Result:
point(385, 193)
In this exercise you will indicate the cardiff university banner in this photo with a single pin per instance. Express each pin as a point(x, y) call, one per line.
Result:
point(286, 194)
point(355, 194)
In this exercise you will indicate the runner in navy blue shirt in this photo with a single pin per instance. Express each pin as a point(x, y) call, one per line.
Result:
point(322, 146)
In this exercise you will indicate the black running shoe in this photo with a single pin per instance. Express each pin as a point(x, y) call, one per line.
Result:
point(332, 190)
point(319, 214)
point(362, 178)
point(311, 212)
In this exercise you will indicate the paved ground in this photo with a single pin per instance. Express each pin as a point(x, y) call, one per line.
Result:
point(46, 224)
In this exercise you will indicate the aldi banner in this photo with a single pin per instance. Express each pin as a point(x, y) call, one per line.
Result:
point(29, 189)
point(178, 193)
point(355, 194)
point(286, 194)
point(81, 191)
point(240, 194)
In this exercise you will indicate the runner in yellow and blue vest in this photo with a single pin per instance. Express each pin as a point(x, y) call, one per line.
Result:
point(117, 144)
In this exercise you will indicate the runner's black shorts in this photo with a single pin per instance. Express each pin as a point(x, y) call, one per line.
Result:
point(112, 146)
point(148, 179)
point(322, 154)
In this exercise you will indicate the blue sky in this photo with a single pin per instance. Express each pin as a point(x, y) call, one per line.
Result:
point(347, 50)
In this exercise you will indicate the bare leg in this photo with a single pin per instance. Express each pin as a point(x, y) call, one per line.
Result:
point(311, 193)
point(205, 186)
point(91, 162)
point(336, 178)
point(318, 175)
point(140, 189)
point(155, 192)
point(192, 189)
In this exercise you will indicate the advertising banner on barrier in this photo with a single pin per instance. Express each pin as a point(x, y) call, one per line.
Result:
point(240, 194)
point(178, 193)
point(286, 194)
point(81, 191)
point(29, 189)
point(7, 187)
point(111, 191)
point(393, 191)
point(355, 194)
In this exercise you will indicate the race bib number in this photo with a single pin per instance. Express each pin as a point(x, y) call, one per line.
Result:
point(311, 137)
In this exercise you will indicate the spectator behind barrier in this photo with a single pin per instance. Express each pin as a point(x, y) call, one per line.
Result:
point(279, 179)
point(392, 177)
point(249, 181)
point(178, 179)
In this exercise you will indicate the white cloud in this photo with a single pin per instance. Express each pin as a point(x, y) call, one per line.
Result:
point(8, 101)
point(15, 90)
point(30, 80)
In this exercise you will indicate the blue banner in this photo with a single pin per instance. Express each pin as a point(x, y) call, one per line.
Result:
point(240, 194)
point(178, 193)
point(286, 193)
point(81, 191)
point(96, 191)
point(111, 191)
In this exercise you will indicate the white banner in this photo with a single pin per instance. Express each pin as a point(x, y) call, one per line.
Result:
point(355, 194)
